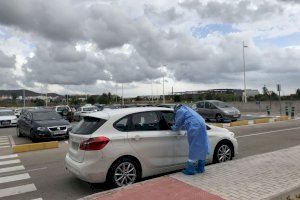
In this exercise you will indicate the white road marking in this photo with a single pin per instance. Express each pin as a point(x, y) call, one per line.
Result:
point(4, 140)
point(2, 147)
point(12, 178)
point(267, 132)
point(8, 162)
point(17, 190)
point(67, 142)
point(4, 143)
point(12, 141)
point(11, 169)
point(38, 199)
point(37, 169)
point(9, 156)
point(3, 136)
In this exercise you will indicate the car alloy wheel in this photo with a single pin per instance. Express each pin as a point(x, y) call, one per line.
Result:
point(224, 153)
point(125, 174)
point(219, 118)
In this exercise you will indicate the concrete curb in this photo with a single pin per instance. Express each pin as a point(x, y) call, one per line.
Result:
point(34, 146)
point(286, 195)
point(253, 121)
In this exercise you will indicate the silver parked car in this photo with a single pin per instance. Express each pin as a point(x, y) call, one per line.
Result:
point(121, 146)
point(218, 110)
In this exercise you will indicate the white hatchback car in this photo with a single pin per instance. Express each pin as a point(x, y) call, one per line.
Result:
point(124, 145)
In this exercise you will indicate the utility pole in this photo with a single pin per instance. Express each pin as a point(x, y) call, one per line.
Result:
point(24, 98)
point(151, 91)
point(46, 95)
point(164, 101)
point(116, 93)
point(279, 89)
point(245, 89)
point(122, 96)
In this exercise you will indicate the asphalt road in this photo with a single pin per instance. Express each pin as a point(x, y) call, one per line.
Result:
point(48, 175)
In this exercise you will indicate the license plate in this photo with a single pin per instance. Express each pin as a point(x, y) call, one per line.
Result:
point(75, 145)
point(58, 133)
point(5, 123)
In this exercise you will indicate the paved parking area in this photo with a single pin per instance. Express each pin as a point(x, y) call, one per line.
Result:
point(47, 172)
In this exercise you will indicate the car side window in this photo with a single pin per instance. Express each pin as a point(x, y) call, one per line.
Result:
point(122, 124)
point(147, 121)
point(200, 105)
point(167, 120)
point(207, 105)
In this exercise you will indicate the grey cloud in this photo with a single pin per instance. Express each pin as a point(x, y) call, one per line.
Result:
point(7, 77)
point(6, 61)
point(70, 67)
point(161, 17)
point(235, 11)
point(52, 19)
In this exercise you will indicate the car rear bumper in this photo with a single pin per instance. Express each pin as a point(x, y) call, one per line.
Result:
point(92, 172)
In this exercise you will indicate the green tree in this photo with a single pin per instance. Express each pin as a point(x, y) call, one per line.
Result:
point(177, 98)
point(91, 99)
point(39, 102)
point(298, 92)
point(265, 90)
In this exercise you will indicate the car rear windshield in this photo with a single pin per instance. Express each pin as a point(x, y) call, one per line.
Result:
point(41, 116)
point(7, 113)
point(88, 125)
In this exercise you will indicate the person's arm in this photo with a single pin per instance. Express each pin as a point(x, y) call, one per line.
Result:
point(179, 119)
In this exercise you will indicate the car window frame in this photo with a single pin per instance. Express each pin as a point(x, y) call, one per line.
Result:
point(128, 123)
point(131, 127)
point(161, 117)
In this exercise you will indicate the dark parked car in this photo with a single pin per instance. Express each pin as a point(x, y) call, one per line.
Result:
point(41, 124)
point(218, 110)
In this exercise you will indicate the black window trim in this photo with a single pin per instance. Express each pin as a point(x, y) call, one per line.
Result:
point(128, 122)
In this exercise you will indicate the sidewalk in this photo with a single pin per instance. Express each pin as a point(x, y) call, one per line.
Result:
point(273, 175)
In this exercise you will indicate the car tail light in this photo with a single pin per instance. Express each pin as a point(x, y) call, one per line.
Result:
point(94, 144)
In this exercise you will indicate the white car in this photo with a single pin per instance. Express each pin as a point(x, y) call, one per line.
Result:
point(122, 146)
point(7, 118)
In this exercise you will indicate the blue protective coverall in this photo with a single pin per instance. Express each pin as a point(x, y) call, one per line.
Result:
point(195, 126)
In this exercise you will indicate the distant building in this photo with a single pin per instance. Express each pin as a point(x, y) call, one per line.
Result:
point(237, 92)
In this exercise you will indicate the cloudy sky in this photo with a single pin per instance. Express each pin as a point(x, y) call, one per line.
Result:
point(78, 46)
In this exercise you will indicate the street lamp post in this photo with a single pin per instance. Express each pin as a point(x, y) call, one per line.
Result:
point(245, 92)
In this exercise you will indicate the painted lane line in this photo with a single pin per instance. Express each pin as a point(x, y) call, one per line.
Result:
point(4, 143)
point(9, 156)
point(267, 132)
point(3, 136)
point(6, 140)
point(12, 141)
point(17, 190)
point(12, 178)
point(2, 147)
point(38, 199)
point(11, 169)
point(8, 162)
point(37, 169)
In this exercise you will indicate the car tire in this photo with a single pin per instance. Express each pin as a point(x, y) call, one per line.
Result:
point(223, 152)
point(118, 177)
point(219, 118)
point(19, 134)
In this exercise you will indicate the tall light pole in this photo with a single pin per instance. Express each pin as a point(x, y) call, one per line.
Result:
point(151, 91)
point(122, 96)
point(164, 101)
point(245, 89)
point(24, 98)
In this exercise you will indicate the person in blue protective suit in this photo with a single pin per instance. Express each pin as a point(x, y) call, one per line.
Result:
point(199, 146)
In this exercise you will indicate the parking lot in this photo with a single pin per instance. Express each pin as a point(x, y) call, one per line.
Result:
point(43, 173)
